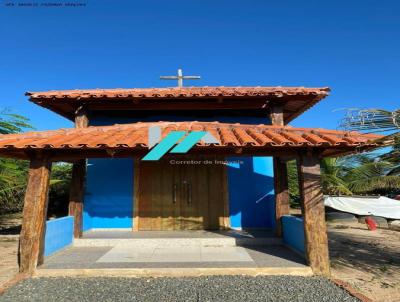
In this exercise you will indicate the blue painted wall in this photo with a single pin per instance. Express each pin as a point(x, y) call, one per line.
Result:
point(108, 197)
point(293, 233)
point(109, 185)
point(251, 192)
point(59, 234)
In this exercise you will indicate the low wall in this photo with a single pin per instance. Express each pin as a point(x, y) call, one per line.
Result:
point(59, 234)
point(293, 233)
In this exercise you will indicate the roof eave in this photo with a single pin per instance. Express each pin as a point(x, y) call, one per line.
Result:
point(48, 99)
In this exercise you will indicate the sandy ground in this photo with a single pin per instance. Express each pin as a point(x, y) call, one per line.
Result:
point(9, 230)
point(368, 260)
point(8, 256)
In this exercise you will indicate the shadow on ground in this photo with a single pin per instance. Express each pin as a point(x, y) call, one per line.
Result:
point(363, 253)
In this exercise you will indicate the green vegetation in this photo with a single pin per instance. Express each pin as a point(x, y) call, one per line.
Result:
point(12, 184)
point(358, 174)
point(13, 174)
point(13, 123)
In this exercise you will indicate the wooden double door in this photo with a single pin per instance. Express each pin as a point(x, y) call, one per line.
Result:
point(177, 196)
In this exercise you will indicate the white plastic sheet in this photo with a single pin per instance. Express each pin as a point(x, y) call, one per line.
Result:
point(382, 206)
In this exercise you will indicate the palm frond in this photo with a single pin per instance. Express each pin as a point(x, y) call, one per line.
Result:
point(371, 120)
point(391, 182)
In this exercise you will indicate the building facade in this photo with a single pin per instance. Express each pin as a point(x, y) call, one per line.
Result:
point(241, 181)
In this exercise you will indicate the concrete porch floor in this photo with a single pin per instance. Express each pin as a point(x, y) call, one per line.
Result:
point(219, 257)
point(188, 252)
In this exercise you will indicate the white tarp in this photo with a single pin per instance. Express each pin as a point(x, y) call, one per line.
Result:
point(382, 206)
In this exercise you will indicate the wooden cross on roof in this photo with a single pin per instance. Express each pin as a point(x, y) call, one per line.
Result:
point(180, 77)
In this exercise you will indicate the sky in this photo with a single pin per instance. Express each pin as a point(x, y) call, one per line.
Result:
point(351, 46)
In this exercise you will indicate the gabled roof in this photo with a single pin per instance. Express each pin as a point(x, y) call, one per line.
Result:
point(234, 138)
point(295, 100)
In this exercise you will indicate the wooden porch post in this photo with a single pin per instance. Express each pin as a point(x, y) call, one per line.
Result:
point(31, 242)
point(276, 115)
point(313, 209)
point(282, 206)
point(281, 189)
point(81, 117)
point(75, 207)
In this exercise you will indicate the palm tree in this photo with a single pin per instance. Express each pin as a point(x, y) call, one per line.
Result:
point(372, 120)
point(13, 123)
point(369, 173)
point(356, 174)
point(393, 156)
point(361, 173)
point(383, 174)
point(333, 172)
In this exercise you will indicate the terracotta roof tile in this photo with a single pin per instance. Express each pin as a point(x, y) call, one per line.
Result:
point(295, 100)
point(277, 138)
point(135, 136)
point(176, 92)
point(243, 137)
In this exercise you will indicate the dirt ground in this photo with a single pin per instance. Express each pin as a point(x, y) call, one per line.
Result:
point(9, 230)
point(8, 256)
point(368, 260)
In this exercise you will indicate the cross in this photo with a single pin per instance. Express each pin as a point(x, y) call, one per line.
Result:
point(180, 77)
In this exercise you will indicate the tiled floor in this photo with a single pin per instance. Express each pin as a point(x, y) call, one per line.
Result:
point(174, 254)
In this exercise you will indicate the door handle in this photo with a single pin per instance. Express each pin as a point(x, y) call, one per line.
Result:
point(189, 193)
point(174, 190)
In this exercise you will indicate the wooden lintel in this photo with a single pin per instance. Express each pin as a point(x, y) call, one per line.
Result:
point(76, 154)
point(218, 105)
point(281, 188)
point(312, 200)
point(31, 243)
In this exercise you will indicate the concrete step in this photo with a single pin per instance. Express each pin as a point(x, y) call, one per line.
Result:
point(176, 242)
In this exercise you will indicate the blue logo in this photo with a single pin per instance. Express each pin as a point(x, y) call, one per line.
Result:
point(180, 141)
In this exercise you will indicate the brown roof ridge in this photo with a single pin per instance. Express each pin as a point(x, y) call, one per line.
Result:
point(295, 100)
point(188, 88)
